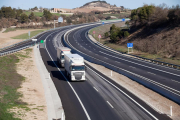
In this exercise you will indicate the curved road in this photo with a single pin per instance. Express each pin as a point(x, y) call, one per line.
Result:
point(98, 98)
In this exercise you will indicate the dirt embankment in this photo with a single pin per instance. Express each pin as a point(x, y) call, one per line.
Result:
point(6, 38)
point(31, 89)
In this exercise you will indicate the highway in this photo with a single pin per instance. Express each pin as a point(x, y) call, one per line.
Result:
point(98, 98)
point(163, 79)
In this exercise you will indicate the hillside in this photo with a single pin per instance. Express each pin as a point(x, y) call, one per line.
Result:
point(97, 6)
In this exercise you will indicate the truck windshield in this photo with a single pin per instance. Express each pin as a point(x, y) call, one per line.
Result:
point(78, 68)
point(62, 57)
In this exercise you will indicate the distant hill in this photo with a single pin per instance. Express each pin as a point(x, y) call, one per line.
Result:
point(97, 5)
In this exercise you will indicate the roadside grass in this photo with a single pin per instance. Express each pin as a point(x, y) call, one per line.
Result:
point(26, 36)
point(9, 29)
point(10, 81)
point(39, 14)
point(123, 48)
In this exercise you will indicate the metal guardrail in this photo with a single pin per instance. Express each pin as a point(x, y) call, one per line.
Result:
point(26, 40)
point(146, 83)
point(16, 50)
point(157, 62)
point(142, 58)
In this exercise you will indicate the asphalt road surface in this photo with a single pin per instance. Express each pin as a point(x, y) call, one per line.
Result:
point(95, 98)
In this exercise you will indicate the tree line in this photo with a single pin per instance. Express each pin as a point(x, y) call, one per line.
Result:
point(155, 16)
point(116, 34)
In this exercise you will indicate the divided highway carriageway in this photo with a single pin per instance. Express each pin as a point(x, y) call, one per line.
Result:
point(99, 98)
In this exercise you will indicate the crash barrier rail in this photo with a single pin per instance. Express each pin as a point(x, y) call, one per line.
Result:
point(16, 50)
point(1, 49)
point(144, 81)
point(25, 40)
point(141, 58)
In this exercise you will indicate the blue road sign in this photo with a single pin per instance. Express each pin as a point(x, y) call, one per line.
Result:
point(129, 45)
point(60, 19)
point(123, 19)
point(103, 23)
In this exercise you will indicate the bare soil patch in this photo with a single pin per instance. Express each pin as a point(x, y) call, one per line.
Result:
point(6, 40)
point(31, 89)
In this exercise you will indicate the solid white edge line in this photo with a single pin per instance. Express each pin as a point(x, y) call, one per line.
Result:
point(124, 93)
point(109, 104)
point(87, 115)
point(119, 89)
point(149, 80)
point(141, 64)
point(95, 89)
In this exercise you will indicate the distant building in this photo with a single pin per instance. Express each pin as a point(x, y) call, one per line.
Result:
point(57, 10)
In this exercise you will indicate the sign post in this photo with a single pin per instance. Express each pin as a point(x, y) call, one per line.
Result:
point(29, 33)
point(99, 36)
point(42, 41)
point(94, 32)
point(60, 19)
point(103, 23)
point(130, 45)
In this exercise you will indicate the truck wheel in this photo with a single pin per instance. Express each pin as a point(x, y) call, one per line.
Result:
point(69, 77)
point(65, 72)
point(57, 62)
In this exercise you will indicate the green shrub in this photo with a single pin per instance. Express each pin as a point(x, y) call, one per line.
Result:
point(126, 34)
point(106, 34)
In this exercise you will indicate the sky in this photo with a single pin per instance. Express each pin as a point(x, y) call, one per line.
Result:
point(131, 4)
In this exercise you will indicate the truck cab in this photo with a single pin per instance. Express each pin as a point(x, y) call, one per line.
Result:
point(75, 67)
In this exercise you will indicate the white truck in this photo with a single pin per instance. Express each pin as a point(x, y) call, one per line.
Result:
point(61, 51)
point(74, 67)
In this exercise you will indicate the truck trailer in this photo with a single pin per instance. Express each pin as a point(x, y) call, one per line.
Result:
point(61, 51)
point(74, 67)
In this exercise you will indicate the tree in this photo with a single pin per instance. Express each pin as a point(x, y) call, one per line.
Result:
point(113, 36)
point(69, 20)
point(23, 18)
point(47, 15)
point(8, 12)
point(31, 16)
point(106, 34)
point(112, 28)
point(126, 34)
point(18, 13)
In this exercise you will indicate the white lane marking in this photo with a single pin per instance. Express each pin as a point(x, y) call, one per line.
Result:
point(141, 64)
point(132, 67)
point(109, 104)
point(124, 94)
point(105, 57)
point(175, 81)
point(117, 62)
point(70, 86)
point(95, 89)
point(86, 44)
point(94, 49)
point(128, 72)
point(151, 73)
point(144, 78)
